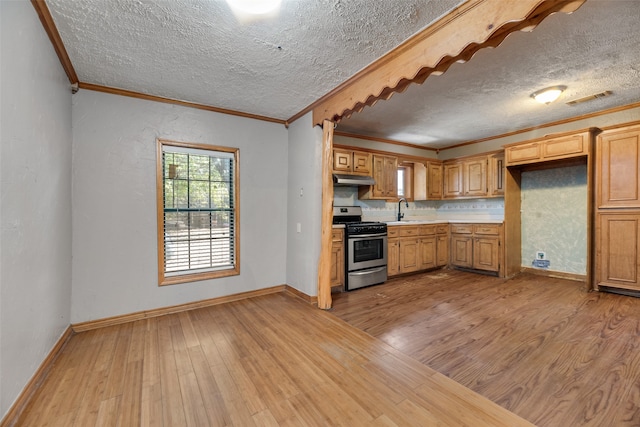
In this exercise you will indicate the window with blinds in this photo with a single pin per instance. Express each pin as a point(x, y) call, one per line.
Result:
point(197, 212)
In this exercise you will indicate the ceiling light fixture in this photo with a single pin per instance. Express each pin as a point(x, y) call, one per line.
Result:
point(254, 7)
point(548, 95)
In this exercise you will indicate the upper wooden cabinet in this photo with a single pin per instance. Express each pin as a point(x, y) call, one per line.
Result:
point(385, 173)
point(427, 181)
point(351, 161)
point(475, 177)
point(548, 148)
point(434, 181)
point(465, 178)
point(496, 174)
point(453, 182)
point(618, 168)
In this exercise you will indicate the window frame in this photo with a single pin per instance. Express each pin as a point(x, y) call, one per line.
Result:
point(187, 276)
point(407, 172)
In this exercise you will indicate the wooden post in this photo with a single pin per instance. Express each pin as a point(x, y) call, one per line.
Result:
point(324, 264)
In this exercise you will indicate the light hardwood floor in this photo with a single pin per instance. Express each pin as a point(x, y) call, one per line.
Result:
point(540, 347)
point(269, 360)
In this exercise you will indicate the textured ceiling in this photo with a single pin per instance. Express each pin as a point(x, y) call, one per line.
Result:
point(197, 51)
point(595, 49)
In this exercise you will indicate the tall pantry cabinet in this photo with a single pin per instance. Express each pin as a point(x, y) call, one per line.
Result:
point(618, 209)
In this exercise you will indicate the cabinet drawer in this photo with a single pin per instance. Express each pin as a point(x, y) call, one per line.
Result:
point(427, 230)
point(487, 229)
point(336, 235)
point(393, 232)
point(442, 228)
point(408, 231)
point(462, 228)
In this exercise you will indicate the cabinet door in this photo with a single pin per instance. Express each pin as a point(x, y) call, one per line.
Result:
point(362, 162)
point(523, 153)
point(453, 184)
point(409, 255)
point(618, 168)
point(442, 251)
point(393, 257)
point(378, 175)
point(420, 179)
point(618, 254)
point(486, 251)
point(475, 177)
point(462, 251)
point(385, 173)
point(434, 181)
point(342, 160)
point(569, 146)
point(337, 265)
point(427, 253)
point(496, 175)
point(390, 177)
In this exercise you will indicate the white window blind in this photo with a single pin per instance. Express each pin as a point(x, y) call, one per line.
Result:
point(199, 210)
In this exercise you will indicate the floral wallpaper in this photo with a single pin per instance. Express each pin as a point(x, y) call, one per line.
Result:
point(554, 218)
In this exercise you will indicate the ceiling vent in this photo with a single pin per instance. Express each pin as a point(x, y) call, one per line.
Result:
point(590, 97)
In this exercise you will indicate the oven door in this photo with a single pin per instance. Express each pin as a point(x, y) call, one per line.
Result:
point(366, 251)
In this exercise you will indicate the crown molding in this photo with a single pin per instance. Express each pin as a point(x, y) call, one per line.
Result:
point(52, 31)
point(138, 95)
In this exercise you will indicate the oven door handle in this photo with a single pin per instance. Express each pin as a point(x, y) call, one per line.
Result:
point(366, 236)
point(370, 271)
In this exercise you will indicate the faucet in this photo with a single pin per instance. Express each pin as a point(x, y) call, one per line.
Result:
point(401, 215)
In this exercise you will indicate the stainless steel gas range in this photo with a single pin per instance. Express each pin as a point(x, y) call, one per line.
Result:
point(365, 250)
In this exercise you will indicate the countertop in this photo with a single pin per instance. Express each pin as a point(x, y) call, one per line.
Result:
point(436, 221)
point(445, 221)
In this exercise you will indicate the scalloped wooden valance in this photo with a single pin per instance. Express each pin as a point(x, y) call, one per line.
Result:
point(457, 36)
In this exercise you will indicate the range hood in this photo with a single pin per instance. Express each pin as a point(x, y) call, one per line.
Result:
point(345, 180)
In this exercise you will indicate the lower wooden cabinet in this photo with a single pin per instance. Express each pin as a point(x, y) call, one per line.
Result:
point(409, 255)
point(415, 248)
point(442, 249)
point(428, 250)
point(337, 257)
point(461, 250)
point(477, 246)
point(486, 253)
point(393, 257)
point(618, 250)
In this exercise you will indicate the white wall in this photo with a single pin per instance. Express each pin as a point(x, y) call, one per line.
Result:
point(114, 202)
point(305, 174)
point(35, 207)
